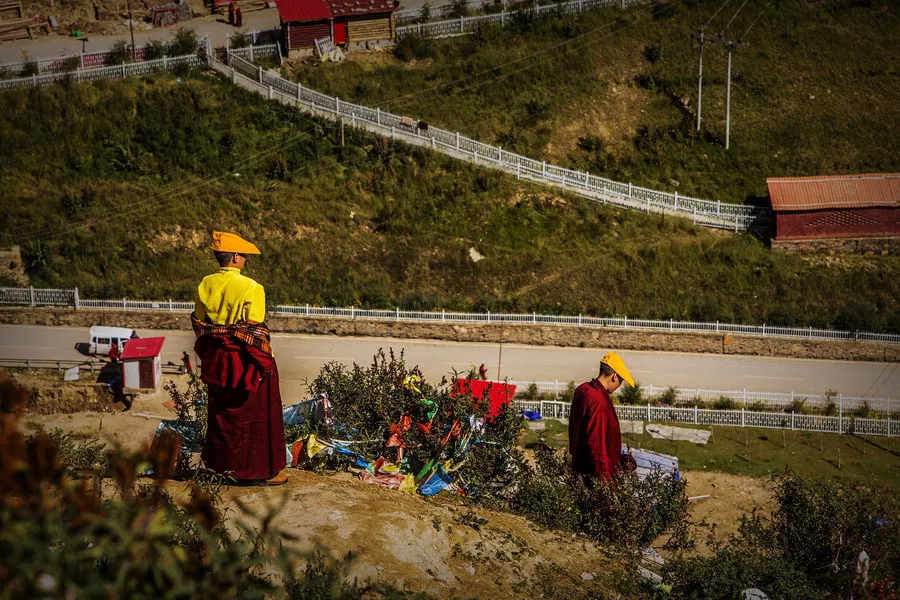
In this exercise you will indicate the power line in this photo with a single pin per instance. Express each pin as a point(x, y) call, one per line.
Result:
point(765, 8)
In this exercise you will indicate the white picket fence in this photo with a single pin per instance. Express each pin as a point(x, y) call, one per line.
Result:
point(464, 25)
point(444, 11)
point(71, 298)
point(779, 401)
point(133, 69)
point(84, 60)
point(703, 212)
point(731, 418)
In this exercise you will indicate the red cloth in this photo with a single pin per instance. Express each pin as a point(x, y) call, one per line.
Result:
point(245, 430)
point(227, 362)
point(500, 393)
point(595, 439)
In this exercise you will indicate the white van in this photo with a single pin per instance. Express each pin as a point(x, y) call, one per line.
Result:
point(102, 338)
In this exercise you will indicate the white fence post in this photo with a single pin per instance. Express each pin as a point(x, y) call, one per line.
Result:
point(742, 416)
point(378, 116)
point(258, 71)
point(648, 409)
point(840, 413)
point(32, 294)
point(77, 303)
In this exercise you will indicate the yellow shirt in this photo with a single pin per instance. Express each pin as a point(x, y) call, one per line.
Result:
point(227, 297)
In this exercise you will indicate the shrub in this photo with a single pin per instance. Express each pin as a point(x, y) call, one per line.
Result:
point(798, 405)
point(154, 50)
point(864, 410)
point(119, 53)
point(629, 510)
point(807, 549)
point(725, 403)
point(632, 394)
point(668, 397)
point(60, 537)
point(184, 42)
point(73, 63)
point(29, 68)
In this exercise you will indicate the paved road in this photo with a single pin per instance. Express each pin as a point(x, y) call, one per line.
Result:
point(301, 356)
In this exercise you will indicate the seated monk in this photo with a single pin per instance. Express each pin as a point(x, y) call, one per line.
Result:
point(245, 431)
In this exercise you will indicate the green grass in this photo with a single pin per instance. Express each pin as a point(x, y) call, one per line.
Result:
point(857, 460)
point(115, 188)
point(615, 92)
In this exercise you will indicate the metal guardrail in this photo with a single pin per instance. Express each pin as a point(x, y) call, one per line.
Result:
point(92, 365)
point(71, 298)
point(778, 401)
point(702, 212)
point(730, 418)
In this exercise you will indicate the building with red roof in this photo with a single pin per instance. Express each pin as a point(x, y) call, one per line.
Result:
point(348, 23)
point(842, 206)
point(141, 363)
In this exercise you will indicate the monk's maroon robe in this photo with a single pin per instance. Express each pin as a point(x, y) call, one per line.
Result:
point(245, 430)
point(595, 438)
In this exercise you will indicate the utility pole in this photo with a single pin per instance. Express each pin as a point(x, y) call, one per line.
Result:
point(702, 39)
point(729, 48)
point(131, 27)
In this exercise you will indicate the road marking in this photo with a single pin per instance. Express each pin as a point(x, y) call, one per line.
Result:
point(768, 377)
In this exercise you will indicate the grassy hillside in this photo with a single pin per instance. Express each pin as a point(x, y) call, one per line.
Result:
point(115, 187)
point(813, 91)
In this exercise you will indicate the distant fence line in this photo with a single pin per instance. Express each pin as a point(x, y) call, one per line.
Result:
point(703, 212)
point(71, 298)
point(464, 25)
point(731, 418)
point(781, 401)
point(86, 60)
point(131, 69)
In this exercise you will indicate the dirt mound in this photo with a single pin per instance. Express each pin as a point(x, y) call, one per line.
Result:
point(48, 394)
point(436, 546)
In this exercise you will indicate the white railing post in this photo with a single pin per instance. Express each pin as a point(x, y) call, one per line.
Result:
point(378, 116)
point(792, 420)
point(258, 72)
point(648, 409)
point(77, 302)
point(32, 294)
point(299, 90)
point(695, 415)
point(556, 387)
point(124, 304)
point(398, 314)
point(840, 413)
point(742, 416)
point(457, 140)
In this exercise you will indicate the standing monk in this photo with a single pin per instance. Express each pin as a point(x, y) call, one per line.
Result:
point(245, 433)
point(595, 439)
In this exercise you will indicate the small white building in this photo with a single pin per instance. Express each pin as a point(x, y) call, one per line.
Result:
point(141, 363)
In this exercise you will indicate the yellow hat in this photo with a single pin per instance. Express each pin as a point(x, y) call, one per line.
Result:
point(616, 363)
point(230, 242)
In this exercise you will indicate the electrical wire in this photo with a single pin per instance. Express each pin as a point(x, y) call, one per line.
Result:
point(765, 8)
point(734, 16)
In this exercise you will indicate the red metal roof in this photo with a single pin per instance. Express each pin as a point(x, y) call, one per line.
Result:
point(303, 10)
point(349, 8)
point(838, 191)
point(142, 348)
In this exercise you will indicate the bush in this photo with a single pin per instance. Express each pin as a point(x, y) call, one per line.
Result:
point(29, 68)
point(668, 397)
point(60, 537)
point(798, 405)
point(807, 549)
point(725, 403)
point(154, 50)
point(119, 53)
point(632, 394)
point(629, 511)
point(864, 410)
point(184, 42)
point(73, 63)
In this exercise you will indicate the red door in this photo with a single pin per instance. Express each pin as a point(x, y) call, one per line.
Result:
point(340, 32)
point(145, 369)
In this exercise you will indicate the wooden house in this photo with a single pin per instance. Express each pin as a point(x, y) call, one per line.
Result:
point(347, 23)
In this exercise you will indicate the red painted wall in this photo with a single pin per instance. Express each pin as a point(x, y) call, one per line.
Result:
point(847, 222)
point(304, 35)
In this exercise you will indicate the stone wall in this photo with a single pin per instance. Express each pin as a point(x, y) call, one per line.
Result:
point(534, 335)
